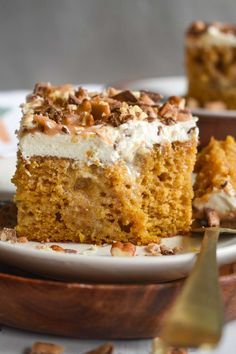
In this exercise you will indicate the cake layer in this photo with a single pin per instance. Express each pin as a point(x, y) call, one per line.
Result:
point(62, 200)
point(215, 185)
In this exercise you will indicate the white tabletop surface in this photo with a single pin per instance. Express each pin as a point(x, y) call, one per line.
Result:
point(13, 341)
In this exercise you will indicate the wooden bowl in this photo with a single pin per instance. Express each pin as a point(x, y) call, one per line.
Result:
point(94, 311)
point(217, 124)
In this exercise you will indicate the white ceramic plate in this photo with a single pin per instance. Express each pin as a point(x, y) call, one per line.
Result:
point(97, 265)
point(173, 86)
point(90, 265)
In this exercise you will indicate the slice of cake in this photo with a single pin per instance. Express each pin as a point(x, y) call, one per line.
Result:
point(211, 64)
point(99, 167)
point(215, 186)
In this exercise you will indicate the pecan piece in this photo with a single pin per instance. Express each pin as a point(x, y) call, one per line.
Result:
point(103, 349)
point(125, 96)
point(57, 248)
point(120, 249)
point(7, 234)
point(46, 348)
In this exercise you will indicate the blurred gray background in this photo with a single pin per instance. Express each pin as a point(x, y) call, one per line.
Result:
point(97, 40)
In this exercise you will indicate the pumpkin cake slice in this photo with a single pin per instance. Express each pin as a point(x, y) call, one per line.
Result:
point(104, 167)
point(215, 186)
point(210, 52)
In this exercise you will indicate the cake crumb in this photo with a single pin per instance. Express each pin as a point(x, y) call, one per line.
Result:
point(46, 348)
point(22, 239)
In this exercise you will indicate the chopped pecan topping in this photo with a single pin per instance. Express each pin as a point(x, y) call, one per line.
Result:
point(74, 100)
point(198, 28)
point(119, 249)
point(46, 348)
point(81, 94)
point(61, 109)
point(125, 96)
point(154, 96)
point(177, 101)
point(100, 110)
point(42, 88)
point(48, 125)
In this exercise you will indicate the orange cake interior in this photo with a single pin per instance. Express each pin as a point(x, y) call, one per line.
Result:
point(215, 185)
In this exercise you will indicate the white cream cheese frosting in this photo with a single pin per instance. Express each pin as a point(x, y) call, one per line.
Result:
point(223, 201)
point(212, 36)
point(107, 144)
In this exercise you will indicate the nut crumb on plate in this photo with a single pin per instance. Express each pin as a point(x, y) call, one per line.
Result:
point(22, 239)
point(167, 251)
point(106, 348)
point(46, 348)
point(153, 249)
point(7, 234)
point(119, 249)
point(57, 248)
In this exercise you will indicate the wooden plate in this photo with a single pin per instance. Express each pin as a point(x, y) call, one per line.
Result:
point(95, 311)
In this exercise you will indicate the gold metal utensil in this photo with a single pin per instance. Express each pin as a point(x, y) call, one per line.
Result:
point(196, 318)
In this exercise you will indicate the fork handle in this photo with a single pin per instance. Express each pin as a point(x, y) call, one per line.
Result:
point(197, 315)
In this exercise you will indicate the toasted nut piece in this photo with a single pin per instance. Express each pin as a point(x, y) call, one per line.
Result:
point(100, 109)
point(166, 251)
point(7, 234)
point(57, 248)
point(183, 115)
point(46, 348)
point(103, 349)
point(153, 249)
point(119, 249)
point(49, 126)
point(177, 101)
point(212, 217)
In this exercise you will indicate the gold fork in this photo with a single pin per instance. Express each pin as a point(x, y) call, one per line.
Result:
point(196, 318)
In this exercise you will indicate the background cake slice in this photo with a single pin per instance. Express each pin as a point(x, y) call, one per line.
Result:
point(211, 63)
point(104, 167)
point(215, 186)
